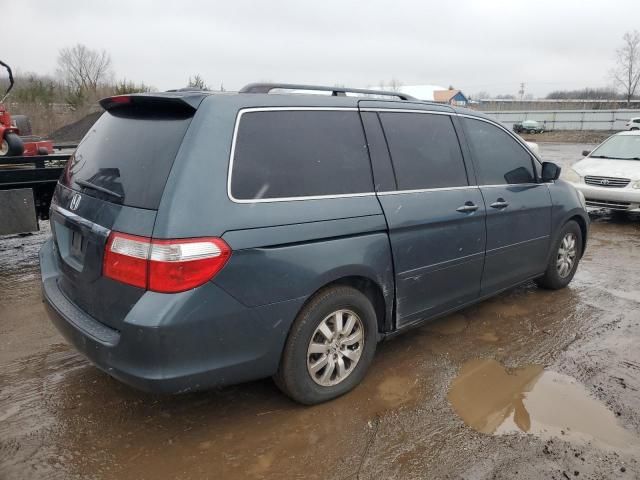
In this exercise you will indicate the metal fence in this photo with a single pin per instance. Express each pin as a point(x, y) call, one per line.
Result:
point(568, 119)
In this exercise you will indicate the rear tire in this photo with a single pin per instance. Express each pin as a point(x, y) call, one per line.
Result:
point(564, 258)
point(317, 339)
point(11, 145)
point(23, 124)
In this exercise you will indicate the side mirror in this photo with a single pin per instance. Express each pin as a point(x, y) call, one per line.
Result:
point(585, 152)
point(550, 171)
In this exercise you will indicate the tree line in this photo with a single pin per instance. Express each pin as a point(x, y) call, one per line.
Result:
point(83, 76)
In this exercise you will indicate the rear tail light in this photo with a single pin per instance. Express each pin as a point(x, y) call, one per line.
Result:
point(166, 266)
point(126, 258)
point(177, 265)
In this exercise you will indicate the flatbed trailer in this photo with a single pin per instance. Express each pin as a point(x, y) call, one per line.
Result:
point(26, 187)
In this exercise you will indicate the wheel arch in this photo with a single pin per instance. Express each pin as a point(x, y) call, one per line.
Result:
point(584, 230)
point(381, 299)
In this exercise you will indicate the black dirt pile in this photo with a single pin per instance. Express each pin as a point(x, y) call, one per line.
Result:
point(76, 130)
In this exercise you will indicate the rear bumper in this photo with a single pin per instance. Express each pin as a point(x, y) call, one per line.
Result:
point(190, 341)
point(626, 199)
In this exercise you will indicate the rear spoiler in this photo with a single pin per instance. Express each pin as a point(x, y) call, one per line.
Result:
point(185, 100)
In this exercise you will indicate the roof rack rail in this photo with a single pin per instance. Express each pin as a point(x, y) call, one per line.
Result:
point(335, 91)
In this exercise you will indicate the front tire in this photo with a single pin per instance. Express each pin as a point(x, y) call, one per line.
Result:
point(330, 346)
point(11, 145)
point(564, 259)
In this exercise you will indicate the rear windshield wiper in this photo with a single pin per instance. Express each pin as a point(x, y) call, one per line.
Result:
point(84, 183)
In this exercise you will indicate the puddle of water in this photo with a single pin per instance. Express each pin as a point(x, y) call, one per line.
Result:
point(529, 399)
point(490, 337)
point(502, 308)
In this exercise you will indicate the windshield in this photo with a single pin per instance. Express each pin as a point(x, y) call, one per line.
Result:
point(619, 147)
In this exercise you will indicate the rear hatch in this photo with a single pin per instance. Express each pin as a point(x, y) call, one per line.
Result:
point(114, 182)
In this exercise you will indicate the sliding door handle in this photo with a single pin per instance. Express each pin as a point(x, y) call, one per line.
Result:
point(467, 207)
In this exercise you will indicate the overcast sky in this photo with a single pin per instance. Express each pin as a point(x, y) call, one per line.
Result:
point(474, 45)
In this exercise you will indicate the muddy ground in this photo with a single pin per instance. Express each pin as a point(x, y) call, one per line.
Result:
point(569, 136)
point(531, 384)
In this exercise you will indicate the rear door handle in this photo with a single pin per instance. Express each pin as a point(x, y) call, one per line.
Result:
point(467, 207)
point(500, 204)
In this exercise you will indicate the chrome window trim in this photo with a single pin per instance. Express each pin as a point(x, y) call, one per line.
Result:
point(439, 189)
point(528, 184)
point(423, 190)
point(282, 199)
point(406, 110)
point(309, 197)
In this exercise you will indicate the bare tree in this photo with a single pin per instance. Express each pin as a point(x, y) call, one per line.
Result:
point(395, 85)
point(627, 71)
point(481, 95)
point(599, 93)
point(83, 69)
point(198, 82)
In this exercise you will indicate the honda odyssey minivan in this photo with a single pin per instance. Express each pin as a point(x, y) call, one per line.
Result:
point(204, 239)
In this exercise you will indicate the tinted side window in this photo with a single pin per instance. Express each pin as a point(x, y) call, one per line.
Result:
point(299, 154)
point(424, 150)
point(501, 159)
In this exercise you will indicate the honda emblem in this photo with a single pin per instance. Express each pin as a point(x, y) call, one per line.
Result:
point(75, 201)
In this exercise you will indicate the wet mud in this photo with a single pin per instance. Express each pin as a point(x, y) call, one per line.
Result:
point(560, 394)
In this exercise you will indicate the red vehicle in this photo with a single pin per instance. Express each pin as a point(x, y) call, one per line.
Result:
point(11, 142)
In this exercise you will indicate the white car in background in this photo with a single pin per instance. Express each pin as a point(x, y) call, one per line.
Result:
point(633, 124)
point(535, 147)
point(609, 176)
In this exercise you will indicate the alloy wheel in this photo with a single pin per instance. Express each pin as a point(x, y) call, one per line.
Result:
point(335, 348)
point(567, 254)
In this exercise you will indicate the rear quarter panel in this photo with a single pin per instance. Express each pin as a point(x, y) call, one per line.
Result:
point(288, 264)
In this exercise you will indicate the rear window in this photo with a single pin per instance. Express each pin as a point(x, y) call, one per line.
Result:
point(127, 155)
point(283, 154)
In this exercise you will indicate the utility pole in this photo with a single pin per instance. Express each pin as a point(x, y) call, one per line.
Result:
point(521, 91)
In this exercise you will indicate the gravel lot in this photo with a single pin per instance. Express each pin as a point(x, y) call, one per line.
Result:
point(530, 384)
